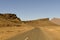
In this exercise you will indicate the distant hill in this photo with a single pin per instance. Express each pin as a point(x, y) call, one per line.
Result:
point(9, 19)
point(41, 22)
point(56, 20)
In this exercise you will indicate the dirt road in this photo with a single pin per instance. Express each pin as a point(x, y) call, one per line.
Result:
point(30, 35)
point(42, 33)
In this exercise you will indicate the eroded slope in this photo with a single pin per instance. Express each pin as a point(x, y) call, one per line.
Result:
point(41, 22)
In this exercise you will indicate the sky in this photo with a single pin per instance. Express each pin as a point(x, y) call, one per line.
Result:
point(31, 9)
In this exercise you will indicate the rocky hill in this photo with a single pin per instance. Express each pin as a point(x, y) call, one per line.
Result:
point(9, 19)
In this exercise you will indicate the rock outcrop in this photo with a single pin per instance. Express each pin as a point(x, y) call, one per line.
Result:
point(9, 16)
point(9, 19)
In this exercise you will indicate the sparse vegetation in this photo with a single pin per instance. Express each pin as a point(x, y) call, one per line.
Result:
point(11, 25)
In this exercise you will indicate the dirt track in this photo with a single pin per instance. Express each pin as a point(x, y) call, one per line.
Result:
point(42, 33)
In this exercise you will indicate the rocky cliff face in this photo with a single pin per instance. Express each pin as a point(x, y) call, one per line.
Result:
point(9, 16)
point(9, 20)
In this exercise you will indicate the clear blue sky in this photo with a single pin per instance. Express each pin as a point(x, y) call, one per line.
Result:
point(31, 9)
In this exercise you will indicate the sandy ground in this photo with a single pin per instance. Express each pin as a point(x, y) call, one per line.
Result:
point(29, 35)
point(46, 32)
point(51, 32)
point(8, 32)
point(40, 33)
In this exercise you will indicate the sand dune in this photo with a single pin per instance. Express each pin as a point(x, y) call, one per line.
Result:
point(56, 20)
